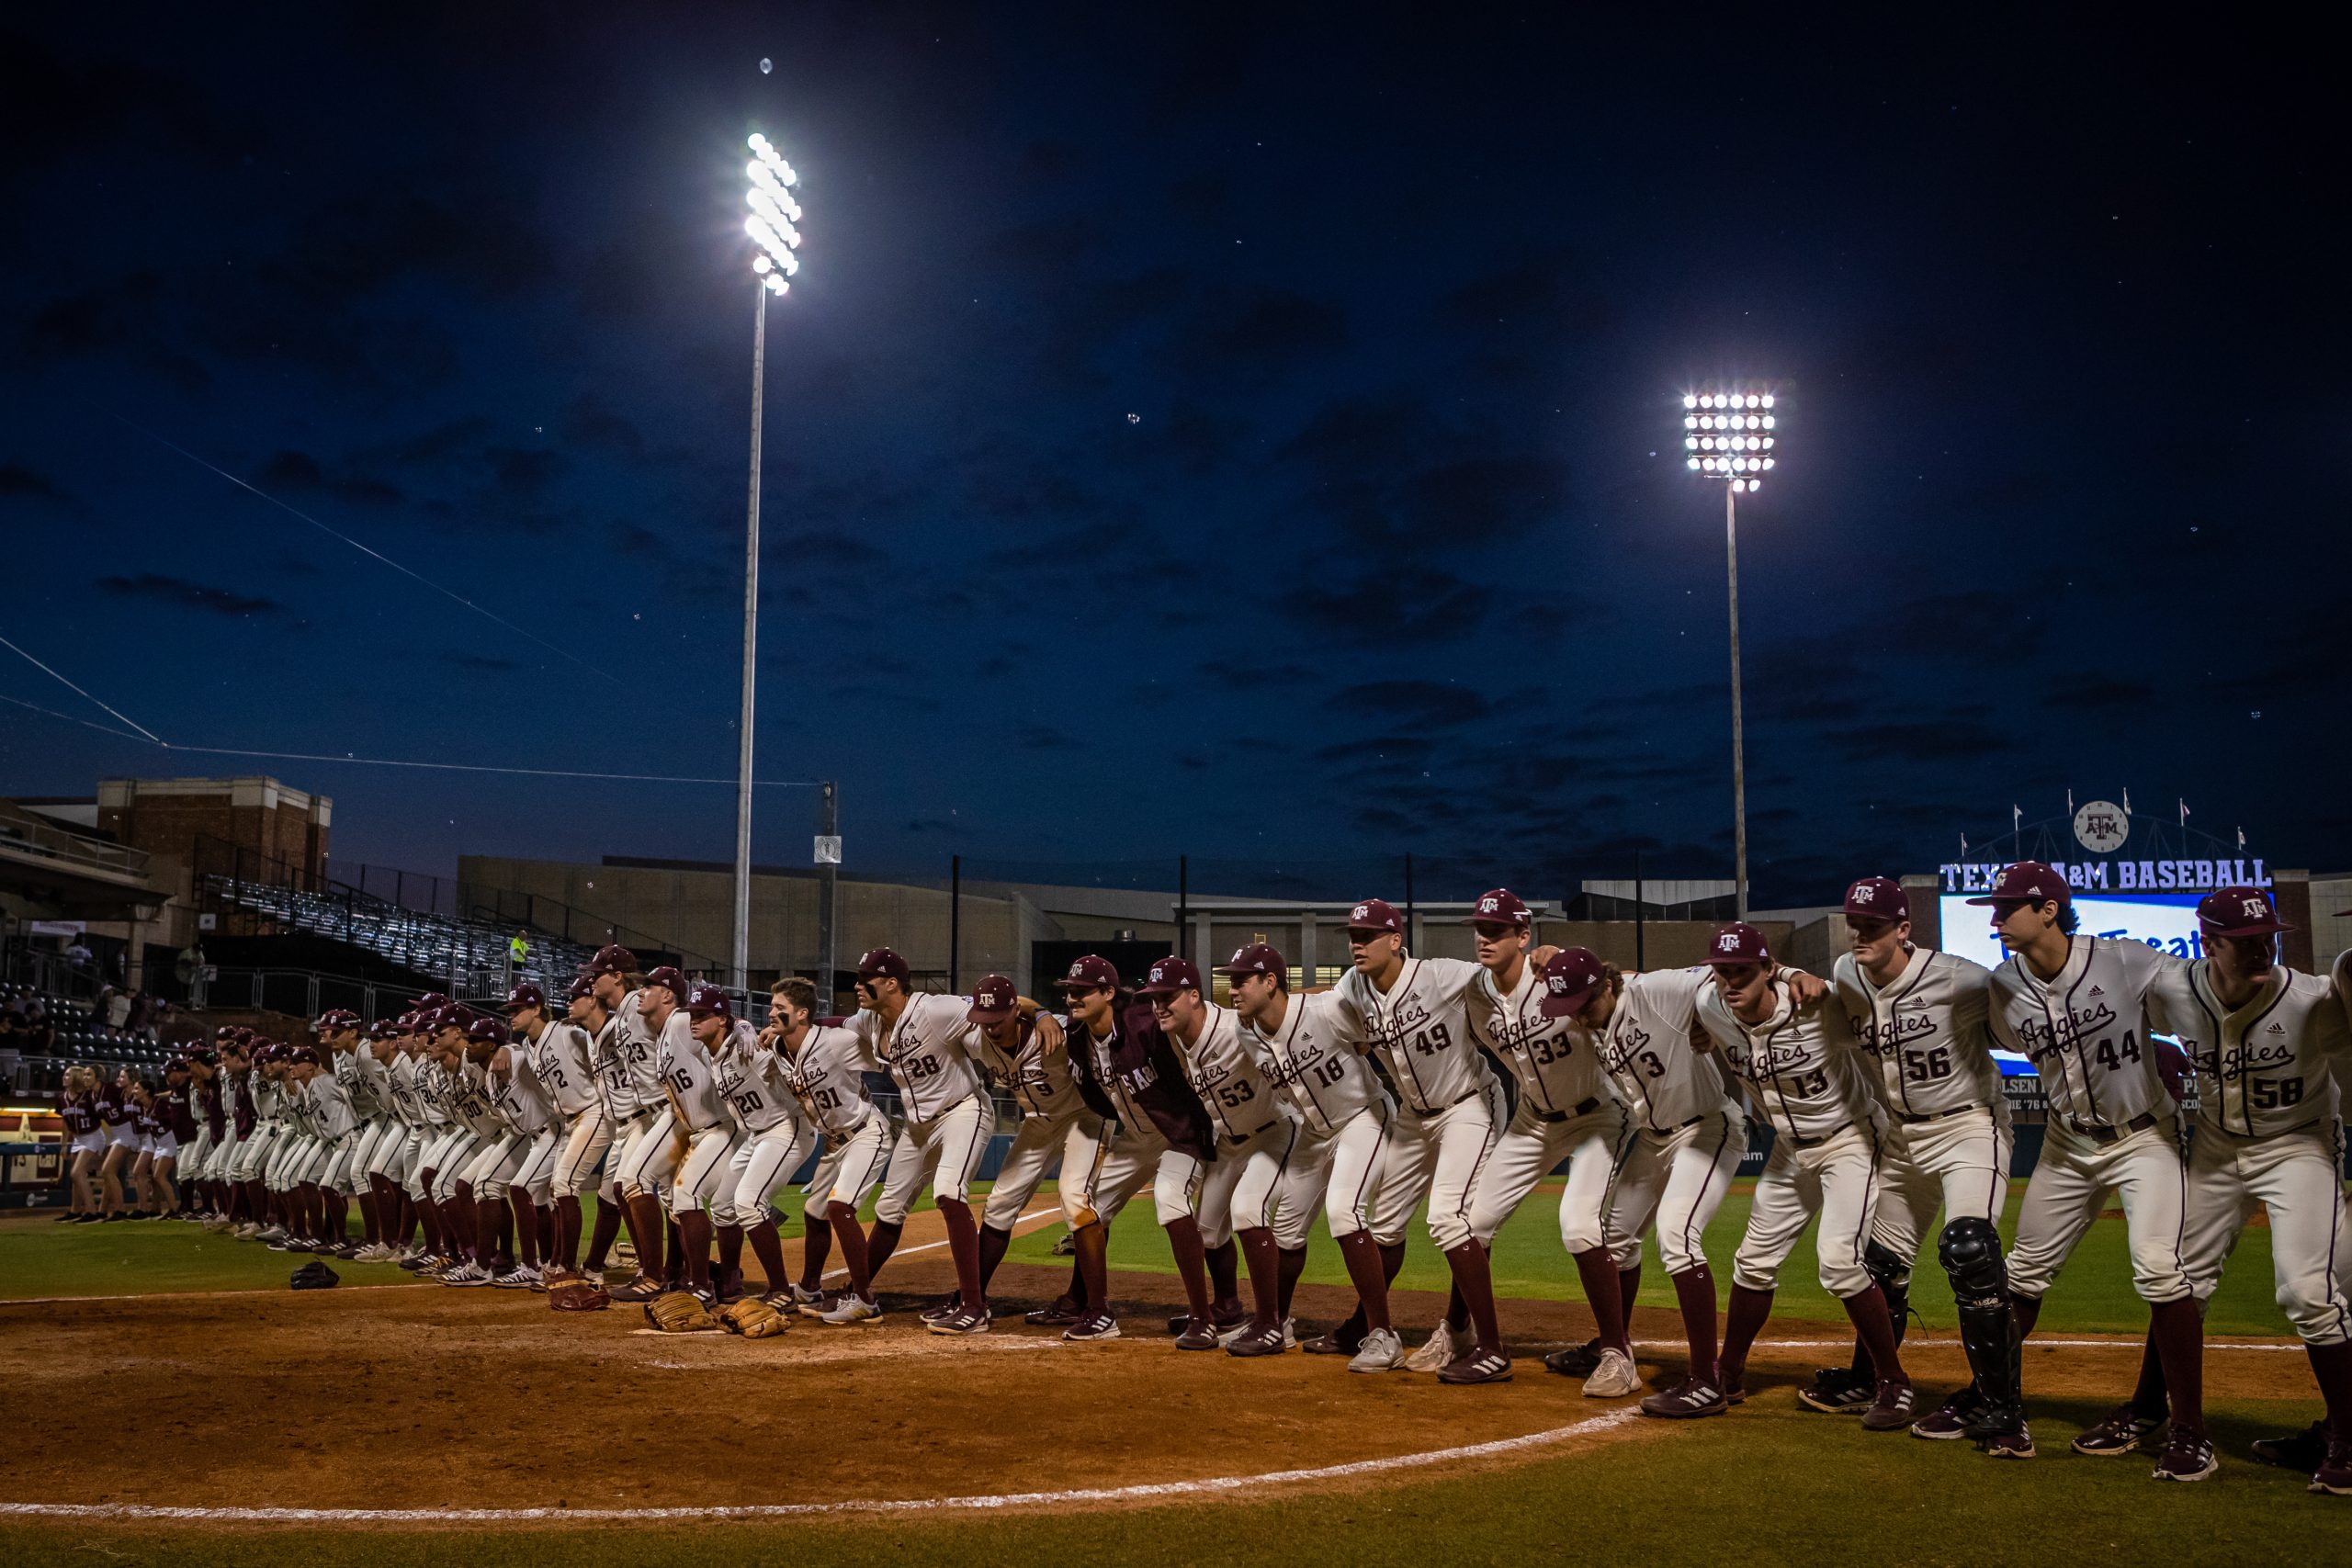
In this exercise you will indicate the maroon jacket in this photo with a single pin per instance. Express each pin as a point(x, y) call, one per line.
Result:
point(1148, 1069)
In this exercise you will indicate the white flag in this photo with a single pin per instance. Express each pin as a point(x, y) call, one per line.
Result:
point(2017, 818)
point(2127, 803)
point(2070, 803)
point(2184, 814)
point(1963, 846)
point(2241, 841)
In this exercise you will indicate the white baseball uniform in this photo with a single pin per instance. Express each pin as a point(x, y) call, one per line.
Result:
point(1051, 1112)
point(1109, 1164)
point(1927, 1032)
point(1690, 1135)
point(641, 1133)
point(1567, 1110)
point(1242, 1188)
point(1805, 1075)
point(690, 1075)
point(776, 1139)
point(826, 1074)
point(528, 1111)
point(2112, 1125)
point(566, 1061)
point(2267, 1131)
point(948, 1120)
point(1345, 1121)
point(1453, 1107)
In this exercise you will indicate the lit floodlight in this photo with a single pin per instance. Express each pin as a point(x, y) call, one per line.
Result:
point(1729, 440)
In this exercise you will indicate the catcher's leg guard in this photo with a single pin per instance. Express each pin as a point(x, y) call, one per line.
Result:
point(1894, 1276)
point(1969, 1250)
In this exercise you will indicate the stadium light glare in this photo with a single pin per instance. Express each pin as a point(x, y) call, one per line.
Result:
point(1734, 420)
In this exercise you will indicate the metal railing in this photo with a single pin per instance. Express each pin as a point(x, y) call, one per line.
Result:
point(38, 836)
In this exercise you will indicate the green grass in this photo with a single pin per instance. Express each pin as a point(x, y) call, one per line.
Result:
point(1762, 1487)
point(2093, 1294)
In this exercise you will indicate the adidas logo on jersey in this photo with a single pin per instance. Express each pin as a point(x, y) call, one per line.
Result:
point(2097, 991)
point(2276, 1028)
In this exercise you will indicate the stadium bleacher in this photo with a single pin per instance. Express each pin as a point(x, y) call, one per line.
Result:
point(78, 1038)
point(441, 947)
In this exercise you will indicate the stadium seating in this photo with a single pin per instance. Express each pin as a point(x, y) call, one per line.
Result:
point(439, 947)
point(79, 1038)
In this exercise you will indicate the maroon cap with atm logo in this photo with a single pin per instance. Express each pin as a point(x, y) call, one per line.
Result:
point(1090, 974)
point(1571, 976)
point(1376, 915)
point(1737, 943)
point(2027, 882)
point(1500, 908)
point(2239, 911)
point(1877, 899)
point(1169, 976)
point(993, 1000)
point(1257, 958)
point(879, 961)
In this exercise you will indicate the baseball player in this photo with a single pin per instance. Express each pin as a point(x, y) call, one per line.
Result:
point(465, 1047)
point(1108, 1163)
point(195, 1151)
point(390, 1066)
point(380, 1130)
point(1568, 1110)
point(697, 1035)
point(440, 1135)
point(521, 1184)
point(563, 1158)
point(2268, 1045)
point(1345, 1118)
point(338, 1033)
point(649, 1153)
point(2080, 1008)
point(1240, 1192)
point(1920, 1016)
point(825, 1066)
point(1415, 1012)
point(1054, 1117)
point(1129, 1071)
point(616, 1089)
point(1807, 1077)
point(1688, 1134)
point(921, 1040)
point(775, 1141)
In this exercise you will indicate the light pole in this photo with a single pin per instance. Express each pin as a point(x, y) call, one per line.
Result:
point(1728, 435)
point(771, 228)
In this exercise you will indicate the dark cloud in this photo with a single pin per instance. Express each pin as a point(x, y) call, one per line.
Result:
point(1264, 329)
point(1911, 744)
point(21, 483)
point(178, 592)
point(1422, 703)
point(299, 471)
point(2097, 694)
point(1381, 609)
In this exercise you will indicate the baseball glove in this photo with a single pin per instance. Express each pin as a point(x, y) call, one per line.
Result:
point(677, 1312)
point(579, 1296)
point(752, 1318)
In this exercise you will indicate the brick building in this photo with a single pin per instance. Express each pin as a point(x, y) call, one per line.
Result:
point(190, 820)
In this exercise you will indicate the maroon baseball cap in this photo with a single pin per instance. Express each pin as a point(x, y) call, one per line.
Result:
point(1877, 899)
point(711, 998)
point(583, 986)
point(1169, 976)
point(1501, 908)
point(302, 1056)
point(611, 959)
point(1737, 943)
point(883, 961)
point(1090, 974)
point(2027, 882)
point(525, 996)
point(486, 1032)
point(993, 1000)
point(1376, 915)
point(1571, 976)
point(2239, 911)
point(432, 1001)
point(176, 1064)
point(668, 978)
point(1257, 958)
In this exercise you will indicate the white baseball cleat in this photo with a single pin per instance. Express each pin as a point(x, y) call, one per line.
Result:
point(515, 1279)
point(1615, 1377)
point(1436, 1353)
point(852, 1309)
point(467, 1274)
point(803, 1296)
point(1381, 1351)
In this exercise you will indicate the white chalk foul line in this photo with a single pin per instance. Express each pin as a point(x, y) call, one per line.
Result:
point(2118, 1342)
point(1221, 1485)
point(934, 1246)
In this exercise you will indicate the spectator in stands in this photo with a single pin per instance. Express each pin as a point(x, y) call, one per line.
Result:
point(35, 1035)
point(77, 954)
point(114, 1006)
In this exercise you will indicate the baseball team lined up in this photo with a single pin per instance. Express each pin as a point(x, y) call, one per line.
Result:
point(1437, 1085)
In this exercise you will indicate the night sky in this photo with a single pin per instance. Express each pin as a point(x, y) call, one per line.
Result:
point(1189, 431)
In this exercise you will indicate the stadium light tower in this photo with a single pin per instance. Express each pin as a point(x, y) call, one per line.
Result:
point(771, 227)
point(1728, 435)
